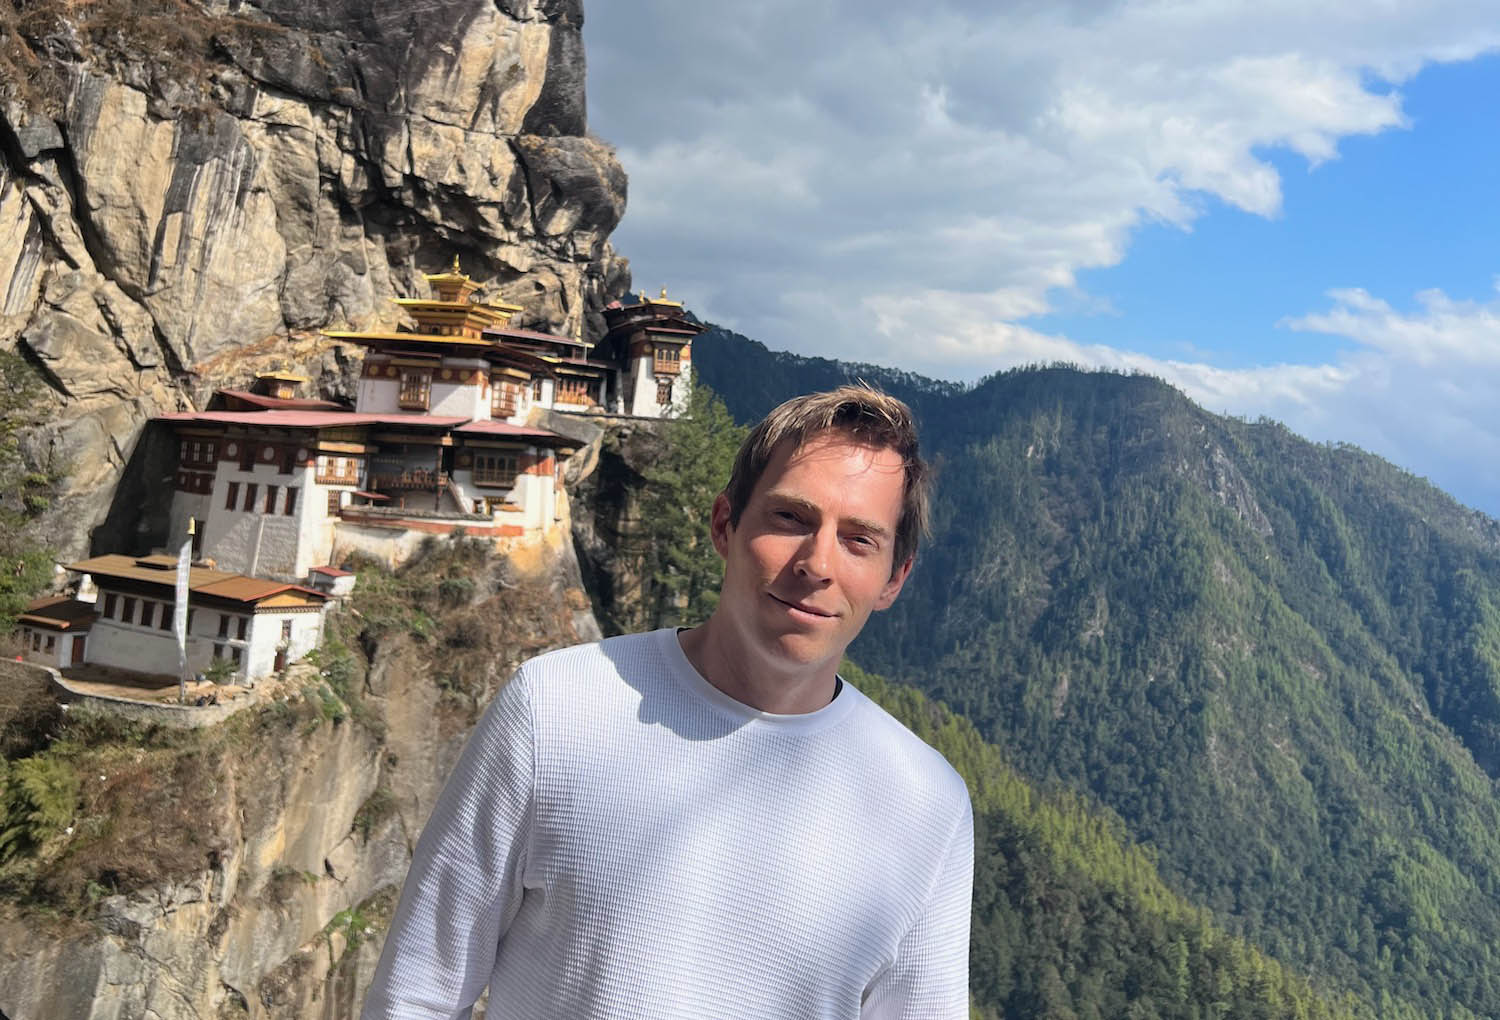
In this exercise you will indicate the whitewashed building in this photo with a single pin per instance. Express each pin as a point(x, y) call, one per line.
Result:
point(256, 625)
point(54, 631)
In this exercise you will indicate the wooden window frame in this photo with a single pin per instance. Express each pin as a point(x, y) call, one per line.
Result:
point(232, 496)
point(290, 507)
point(415, 393)
point(498, 473)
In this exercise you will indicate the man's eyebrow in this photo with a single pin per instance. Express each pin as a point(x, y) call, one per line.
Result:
point(807, 506)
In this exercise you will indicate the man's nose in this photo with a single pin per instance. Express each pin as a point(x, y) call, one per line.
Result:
point(817, 553)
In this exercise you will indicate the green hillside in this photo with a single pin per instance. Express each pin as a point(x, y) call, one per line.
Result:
point(1277, 662)
point(1071, 920)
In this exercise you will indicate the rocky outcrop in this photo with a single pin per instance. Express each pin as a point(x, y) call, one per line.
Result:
point(151, 250)
point(308, 819)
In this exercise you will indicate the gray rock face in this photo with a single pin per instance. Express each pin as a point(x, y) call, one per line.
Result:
point(149, 255)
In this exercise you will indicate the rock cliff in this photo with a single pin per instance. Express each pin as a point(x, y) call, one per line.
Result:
point(247, 870)
point(154, 247)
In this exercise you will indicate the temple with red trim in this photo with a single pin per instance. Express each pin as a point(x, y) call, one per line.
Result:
point(445, 434)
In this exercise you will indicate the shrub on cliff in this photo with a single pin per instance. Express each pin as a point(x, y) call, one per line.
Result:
point(40, 798)
point(25, 561)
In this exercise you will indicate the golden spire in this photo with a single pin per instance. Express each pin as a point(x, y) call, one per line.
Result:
point(456, 270)
point(663, 292)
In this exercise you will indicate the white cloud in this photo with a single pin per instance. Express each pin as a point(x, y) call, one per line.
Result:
point(908, 184)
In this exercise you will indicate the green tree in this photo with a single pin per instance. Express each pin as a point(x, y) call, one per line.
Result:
point(681, 567)
point(25, 563)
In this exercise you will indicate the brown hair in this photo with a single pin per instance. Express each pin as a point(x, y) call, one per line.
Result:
point(870, 418)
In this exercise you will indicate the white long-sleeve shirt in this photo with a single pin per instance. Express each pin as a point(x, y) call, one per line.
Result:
point(621, 839)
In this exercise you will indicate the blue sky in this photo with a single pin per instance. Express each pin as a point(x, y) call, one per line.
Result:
point(1403, 211)
point(1285, 209)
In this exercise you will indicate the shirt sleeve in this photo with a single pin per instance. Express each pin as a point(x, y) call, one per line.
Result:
point(929, 977)
point(464, 885)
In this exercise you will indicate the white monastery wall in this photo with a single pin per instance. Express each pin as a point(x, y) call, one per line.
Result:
point(264, 637)
point(642, 389)
point(254, 541)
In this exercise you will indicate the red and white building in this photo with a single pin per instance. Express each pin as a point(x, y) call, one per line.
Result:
point(442, 435)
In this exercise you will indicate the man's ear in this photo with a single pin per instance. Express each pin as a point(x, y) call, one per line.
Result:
point(719, 526)
point(893, 586)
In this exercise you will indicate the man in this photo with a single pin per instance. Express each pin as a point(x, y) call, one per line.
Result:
point(710, 823)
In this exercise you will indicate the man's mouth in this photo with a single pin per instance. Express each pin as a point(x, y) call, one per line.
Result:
point(802, 607)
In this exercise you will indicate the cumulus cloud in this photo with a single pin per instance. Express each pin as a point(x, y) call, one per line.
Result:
point(908, 184)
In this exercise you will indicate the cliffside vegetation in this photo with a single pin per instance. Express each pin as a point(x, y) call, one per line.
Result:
point(1272, 660)
point(171, 44)
point(25, 487)
point(1072, 920)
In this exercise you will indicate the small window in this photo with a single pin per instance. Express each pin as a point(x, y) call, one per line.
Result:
point(237, 655)
point(182, 450)
point(504, 397)
point(536, 389)
point(127, 612)
point(36, 641)
point(250, 492)
point(232, 499)
point(664, 392)
point(496, 468)
point(51, 643)
point(213, 450)
point(335, 502)
point(241, 623)
point(218, 651)
point(148, 613)
point(416, 389)
point(167, 613)
point(271, 499)
point(286, 630)
point(109, 605)
point(223, 625)
point(291, 500)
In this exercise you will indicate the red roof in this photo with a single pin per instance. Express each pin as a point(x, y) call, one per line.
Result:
point(312, 419)
point(330, 571)
point(60, 612)
point(501, 428)
point(280, 403)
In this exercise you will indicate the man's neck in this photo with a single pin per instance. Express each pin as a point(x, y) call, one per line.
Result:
point(713, 651)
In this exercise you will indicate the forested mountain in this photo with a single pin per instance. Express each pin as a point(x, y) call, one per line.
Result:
point(1277, 662)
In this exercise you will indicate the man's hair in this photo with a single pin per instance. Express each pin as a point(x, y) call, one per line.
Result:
point(868, 417)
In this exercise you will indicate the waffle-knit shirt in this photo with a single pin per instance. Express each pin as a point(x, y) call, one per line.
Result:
point(621, 839)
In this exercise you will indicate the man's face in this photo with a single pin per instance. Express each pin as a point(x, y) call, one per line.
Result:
point(812, 555)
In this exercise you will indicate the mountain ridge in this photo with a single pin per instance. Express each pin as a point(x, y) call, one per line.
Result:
point(1274, 660)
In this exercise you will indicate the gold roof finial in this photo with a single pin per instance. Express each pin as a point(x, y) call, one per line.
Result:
point(663, 292)
point(455, 263)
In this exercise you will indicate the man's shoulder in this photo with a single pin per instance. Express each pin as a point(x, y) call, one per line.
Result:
point(592, 664)
point(589, 655)
point(909, 756)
